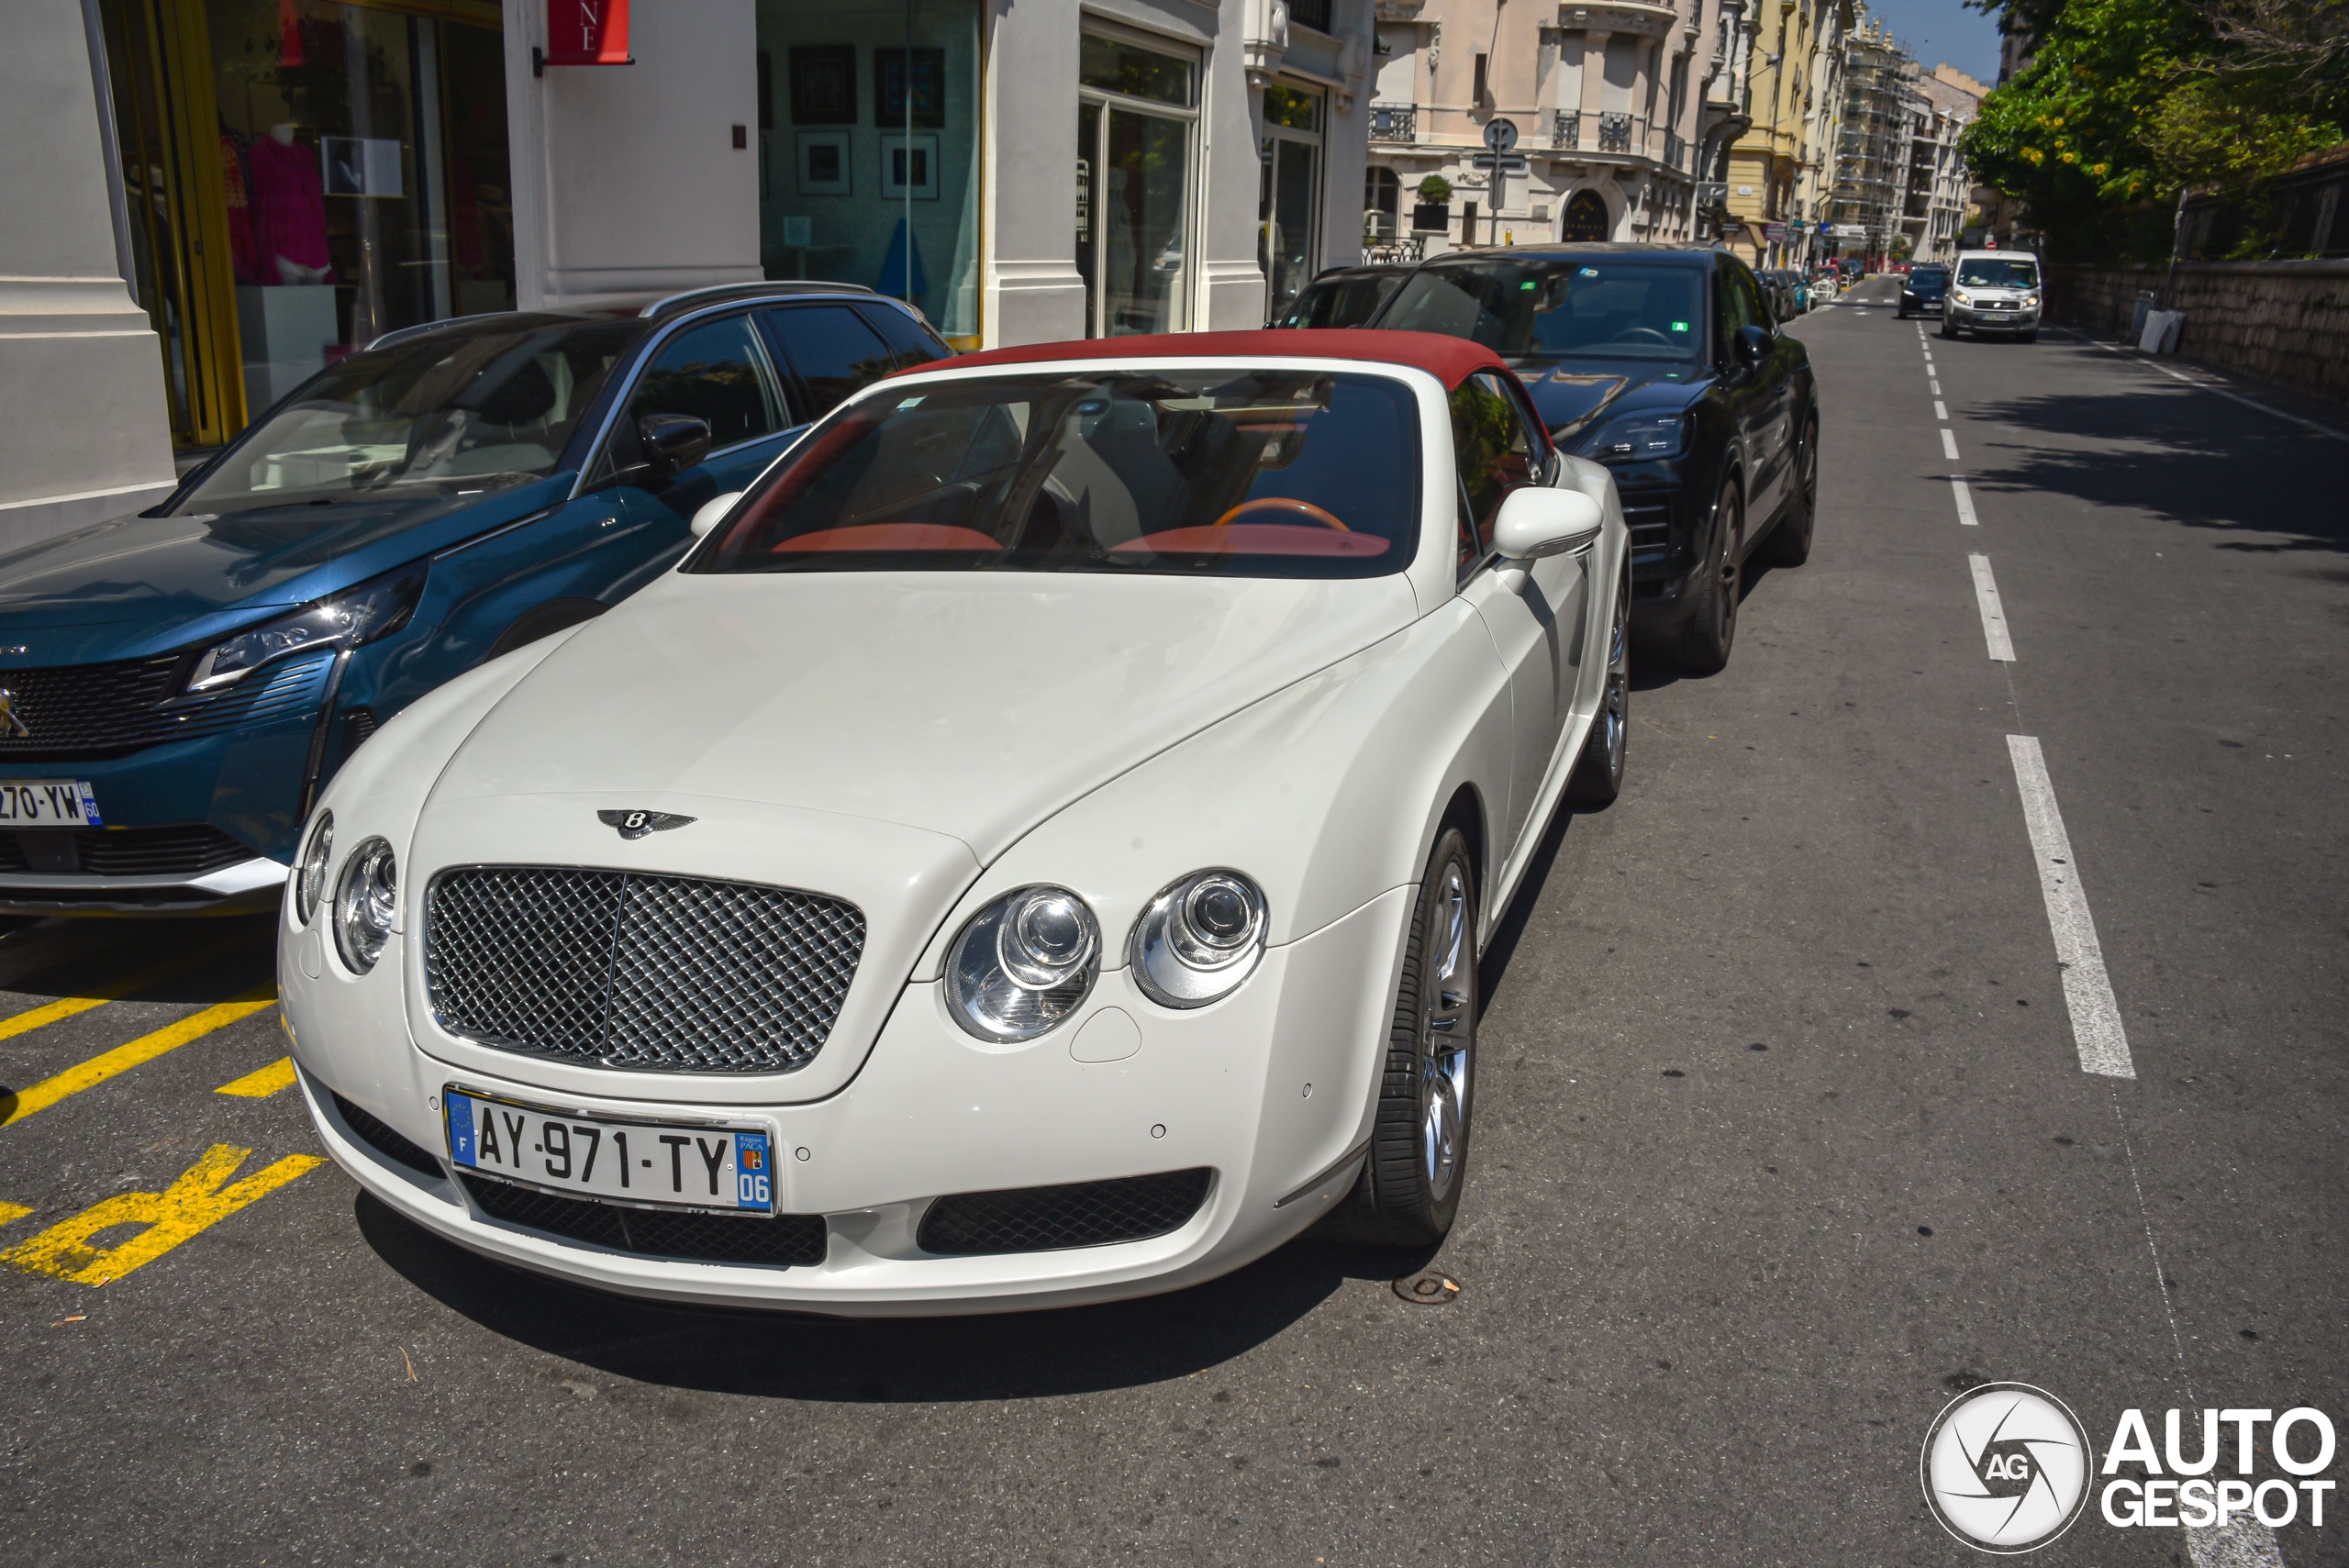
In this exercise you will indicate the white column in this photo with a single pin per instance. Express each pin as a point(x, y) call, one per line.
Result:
point(1034, 293)
point(85, 434)
point(627, 181)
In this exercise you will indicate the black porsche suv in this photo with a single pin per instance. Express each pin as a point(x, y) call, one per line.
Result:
point(1665, 364)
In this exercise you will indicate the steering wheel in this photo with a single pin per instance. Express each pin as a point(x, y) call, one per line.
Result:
point(1631, 332)
point(1304, 511)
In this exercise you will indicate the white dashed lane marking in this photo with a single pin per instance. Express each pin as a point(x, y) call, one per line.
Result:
point(2096, 1033)
point(1994, 617)
point(1965, 504)
point(1941, 409)
point(1949, 444)
point(1935, 382)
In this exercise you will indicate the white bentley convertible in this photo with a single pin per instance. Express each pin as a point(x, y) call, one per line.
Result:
point(1034, 849)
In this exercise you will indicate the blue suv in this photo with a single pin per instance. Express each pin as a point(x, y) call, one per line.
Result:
point(175, 687)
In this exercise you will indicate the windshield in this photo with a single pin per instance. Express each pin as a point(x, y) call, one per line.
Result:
point(1998, 273)
point(1582, 309)
point(1262, 474)
point(1928, 275)
point(448, 413)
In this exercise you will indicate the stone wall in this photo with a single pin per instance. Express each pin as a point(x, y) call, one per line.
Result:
point(2286, 322)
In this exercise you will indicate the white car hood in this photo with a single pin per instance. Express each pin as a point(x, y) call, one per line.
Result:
point(874, 738)
point(967, 704)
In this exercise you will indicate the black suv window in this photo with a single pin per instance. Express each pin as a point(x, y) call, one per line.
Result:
point(1740, 305)
point(910, 342)
point(716, 371)
point(833, 349)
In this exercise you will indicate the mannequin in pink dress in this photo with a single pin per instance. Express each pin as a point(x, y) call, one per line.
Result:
point(289, 210)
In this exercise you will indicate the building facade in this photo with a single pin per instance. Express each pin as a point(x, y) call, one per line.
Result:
point(1940, 195)
point(1796, 51)
point(1881, 103)
point(1606, 98)
point(228, 194)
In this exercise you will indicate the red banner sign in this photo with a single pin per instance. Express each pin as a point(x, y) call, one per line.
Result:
point(587, 32)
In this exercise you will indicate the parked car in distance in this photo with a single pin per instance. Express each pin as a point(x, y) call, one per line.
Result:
point(1046, 859)
point(1994, 291)
point(1342, 296)
point(1923, 290)
point(1666, 365)
point(1783, 289)
point(179, 685)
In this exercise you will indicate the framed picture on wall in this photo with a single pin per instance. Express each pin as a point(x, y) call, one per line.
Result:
point(929, 88)
point(895, 176)
point(823, 83)
point(824, 163)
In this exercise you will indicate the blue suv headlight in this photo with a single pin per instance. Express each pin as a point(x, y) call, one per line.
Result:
point(348, 620)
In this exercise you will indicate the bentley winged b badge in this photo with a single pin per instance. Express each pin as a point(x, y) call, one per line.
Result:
point(637, 824)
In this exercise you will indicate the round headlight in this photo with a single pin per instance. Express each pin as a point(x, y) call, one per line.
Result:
point(1023, 963)
point(310, 877)
point(366, 900)
point(1199, 939)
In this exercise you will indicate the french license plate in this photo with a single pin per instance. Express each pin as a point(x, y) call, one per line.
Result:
point(48, 803)
point(661, 1164)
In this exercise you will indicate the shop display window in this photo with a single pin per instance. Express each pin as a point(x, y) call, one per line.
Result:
point(363, 156)
point(869, 151)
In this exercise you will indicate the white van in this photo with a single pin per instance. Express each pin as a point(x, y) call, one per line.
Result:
point(1993, 291)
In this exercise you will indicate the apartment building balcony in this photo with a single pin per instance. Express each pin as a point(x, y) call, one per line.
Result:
point(1676, 152)
point(1565, 127)
point(1393, 122)
point(1614, 133)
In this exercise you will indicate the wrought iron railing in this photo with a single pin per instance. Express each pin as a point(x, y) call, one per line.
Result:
point(1314, 13)
point(1565, 127)
point(1393, 122)
point(1614, 133)
point(1675, 150)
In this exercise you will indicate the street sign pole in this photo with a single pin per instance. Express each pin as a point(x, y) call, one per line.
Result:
point(1501, 142)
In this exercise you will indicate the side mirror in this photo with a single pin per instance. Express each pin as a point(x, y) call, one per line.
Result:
point(1753, 346)
point(1537, 521)
point(672, 441)
point(711, 510)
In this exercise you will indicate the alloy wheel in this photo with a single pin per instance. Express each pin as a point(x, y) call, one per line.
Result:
point(1446, 1032)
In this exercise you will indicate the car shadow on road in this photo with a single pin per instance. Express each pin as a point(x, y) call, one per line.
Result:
point(2178, 465)
point(1018, 1355)
point(151, 961)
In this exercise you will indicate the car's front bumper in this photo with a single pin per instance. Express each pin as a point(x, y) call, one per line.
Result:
point(246, 887)
point(1271, 1089)
point(1979, 318)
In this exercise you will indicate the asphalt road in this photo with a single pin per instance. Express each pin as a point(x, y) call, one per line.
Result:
point(1784, 1135)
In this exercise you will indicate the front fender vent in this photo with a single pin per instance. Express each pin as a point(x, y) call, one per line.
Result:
point(649, 973)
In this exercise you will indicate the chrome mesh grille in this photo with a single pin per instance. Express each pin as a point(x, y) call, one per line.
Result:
point(655, 974)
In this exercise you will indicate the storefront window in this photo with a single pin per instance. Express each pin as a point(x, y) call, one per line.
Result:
point(1135, 125)
point(869, 151)
point(363, 166)
point(1288, 210)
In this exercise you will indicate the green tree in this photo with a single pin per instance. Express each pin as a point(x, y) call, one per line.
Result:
point(2126, 101)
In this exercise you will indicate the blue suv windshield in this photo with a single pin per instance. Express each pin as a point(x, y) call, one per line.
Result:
point(453, 412)
point(1578, 307)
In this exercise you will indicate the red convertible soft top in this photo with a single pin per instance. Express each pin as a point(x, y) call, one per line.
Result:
point(1450, 360)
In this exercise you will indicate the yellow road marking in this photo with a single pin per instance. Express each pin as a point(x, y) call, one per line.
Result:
point(201, 1197)
point(113, 990)
point(12, 1211)
point(123, 1058)
point(278, 1074)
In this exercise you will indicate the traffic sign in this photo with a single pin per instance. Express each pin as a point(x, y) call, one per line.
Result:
point(1500, 135)
point(1507, 163)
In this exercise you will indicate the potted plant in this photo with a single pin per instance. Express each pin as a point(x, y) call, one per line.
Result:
point(1433, 213)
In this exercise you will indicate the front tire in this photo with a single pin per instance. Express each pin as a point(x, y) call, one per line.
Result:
point(1712, 627)
point(1409, 1192)
point(1598, 777)
point(1948, 330)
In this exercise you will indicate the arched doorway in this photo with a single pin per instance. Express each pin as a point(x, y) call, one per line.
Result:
point(1586, 218)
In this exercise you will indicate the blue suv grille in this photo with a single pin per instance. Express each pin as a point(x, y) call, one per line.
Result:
point(72, 711)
